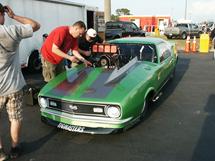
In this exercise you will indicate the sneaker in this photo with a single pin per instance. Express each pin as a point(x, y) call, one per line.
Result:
point(15, 152)
point(3, 155)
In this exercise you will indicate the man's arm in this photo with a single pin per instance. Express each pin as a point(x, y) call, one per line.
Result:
point(57, 51)
point(83, 52)
point(24, 20)
point(81, 58)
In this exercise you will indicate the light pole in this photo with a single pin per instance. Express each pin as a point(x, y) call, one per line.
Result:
point(185, 14)
point(107, 10)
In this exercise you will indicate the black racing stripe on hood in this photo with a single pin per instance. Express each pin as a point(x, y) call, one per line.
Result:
point(99, 89)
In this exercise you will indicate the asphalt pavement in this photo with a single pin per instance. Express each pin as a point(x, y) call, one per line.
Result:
point(180, 126)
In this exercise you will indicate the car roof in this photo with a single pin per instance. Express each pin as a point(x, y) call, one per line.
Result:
point(143, 40)
point(119, 22)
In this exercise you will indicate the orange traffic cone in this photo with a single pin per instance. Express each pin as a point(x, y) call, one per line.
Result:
point(193, 49)
point(187, 45)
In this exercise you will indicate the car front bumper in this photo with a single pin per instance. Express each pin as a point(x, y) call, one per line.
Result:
point(83, 124)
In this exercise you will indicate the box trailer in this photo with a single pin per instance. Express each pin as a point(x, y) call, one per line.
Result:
point(50, 14)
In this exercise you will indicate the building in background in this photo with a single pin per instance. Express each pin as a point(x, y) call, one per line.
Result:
point(149, 23)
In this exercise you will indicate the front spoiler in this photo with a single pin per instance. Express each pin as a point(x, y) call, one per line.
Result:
point(79, 129)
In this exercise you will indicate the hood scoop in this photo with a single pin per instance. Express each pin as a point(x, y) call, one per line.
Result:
point(120, 73)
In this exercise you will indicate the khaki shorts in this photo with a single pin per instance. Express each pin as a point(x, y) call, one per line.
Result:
point(51, 70)
point(13, 103)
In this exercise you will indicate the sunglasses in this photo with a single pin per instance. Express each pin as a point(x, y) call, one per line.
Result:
point(91, 38)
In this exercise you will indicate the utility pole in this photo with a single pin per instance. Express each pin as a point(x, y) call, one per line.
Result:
point(107, 10)
point(185, 14)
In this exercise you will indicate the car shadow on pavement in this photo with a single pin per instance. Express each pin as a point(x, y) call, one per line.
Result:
point(168, 89)
point(204, 150)
point(181, 68)
point(29, 147)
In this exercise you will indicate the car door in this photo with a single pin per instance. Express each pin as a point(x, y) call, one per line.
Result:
point(194, 30)
point(127, 30)
point(135, 30)
point(165, 61)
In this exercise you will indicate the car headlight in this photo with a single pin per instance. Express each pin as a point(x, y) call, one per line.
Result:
point(113, 111)
point(43, 102)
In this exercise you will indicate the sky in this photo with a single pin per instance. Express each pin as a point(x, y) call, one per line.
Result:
point(197, 10)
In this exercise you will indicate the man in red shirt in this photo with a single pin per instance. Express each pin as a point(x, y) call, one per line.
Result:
point(57, 45)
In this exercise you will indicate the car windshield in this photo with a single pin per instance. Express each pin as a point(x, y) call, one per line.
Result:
point(129, 51)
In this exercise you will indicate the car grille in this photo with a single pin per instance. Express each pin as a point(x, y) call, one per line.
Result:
point(77, 108)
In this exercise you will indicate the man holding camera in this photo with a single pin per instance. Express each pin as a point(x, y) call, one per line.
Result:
point(11, 78)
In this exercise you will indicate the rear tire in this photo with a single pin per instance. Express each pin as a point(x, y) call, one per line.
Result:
point(34, 62)
point(198, 36)
point(184, 35)
point(172, 75)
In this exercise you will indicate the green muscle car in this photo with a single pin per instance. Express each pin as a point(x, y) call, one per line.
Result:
point(114, 94)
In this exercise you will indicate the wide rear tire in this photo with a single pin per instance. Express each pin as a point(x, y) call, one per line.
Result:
point(34, 62)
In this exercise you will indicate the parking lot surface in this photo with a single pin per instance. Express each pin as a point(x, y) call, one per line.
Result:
point(180, 126)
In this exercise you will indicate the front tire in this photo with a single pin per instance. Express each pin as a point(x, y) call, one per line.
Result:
point(145, 108)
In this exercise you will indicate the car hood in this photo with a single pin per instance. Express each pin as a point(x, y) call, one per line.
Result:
point(100, 85)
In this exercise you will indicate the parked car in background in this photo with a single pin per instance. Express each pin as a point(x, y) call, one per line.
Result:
point(128, 74)
point(120, 29)
point(182, 30)
point(207, 27)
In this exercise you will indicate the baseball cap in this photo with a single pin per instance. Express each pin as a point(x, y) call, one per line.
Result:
point(91, 32)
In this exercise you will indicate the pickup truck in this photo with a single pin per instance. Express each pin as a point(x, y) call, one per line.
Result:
point(182, 30)
point(118, 29)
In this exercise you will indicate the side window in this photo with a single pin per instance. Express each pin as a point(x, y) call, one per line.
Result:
point(165, 52)
point(149, 53)
point(128, 28)
point(195, 26)
point(134, 27)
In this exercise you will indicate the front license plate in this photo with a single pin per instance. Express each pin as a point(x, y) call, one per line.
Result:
point(71, 127)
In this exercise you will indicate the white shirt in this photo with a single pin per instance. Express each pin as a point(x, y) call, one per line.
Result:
point(11, 78)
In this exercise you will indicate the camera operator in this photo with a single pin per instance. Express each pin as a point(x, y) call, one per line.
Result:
point(11, 78)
